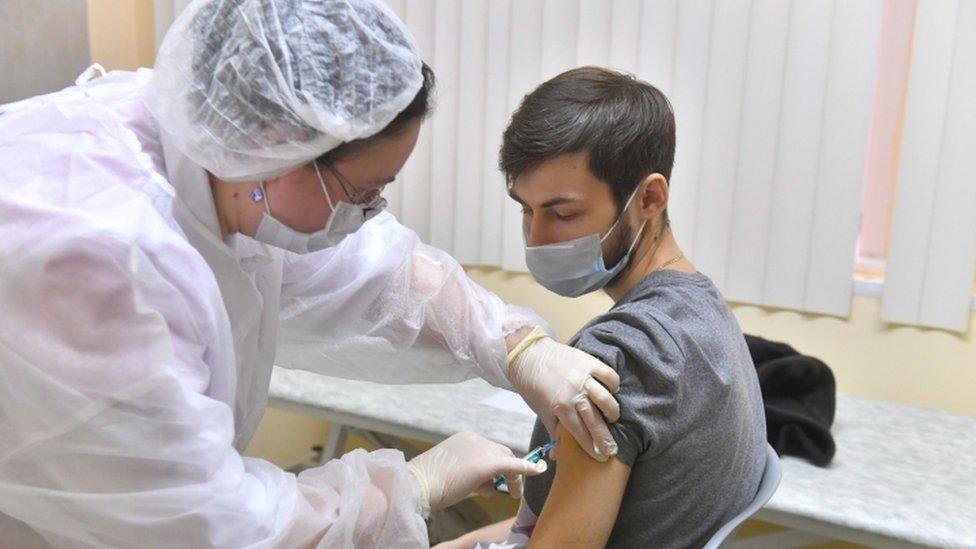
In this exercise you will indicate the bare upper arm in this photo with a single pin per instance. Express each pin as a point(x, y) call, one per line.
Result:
point(584, 499)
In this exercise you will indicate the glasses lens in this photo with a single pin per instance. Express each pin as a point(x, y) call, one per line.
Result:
point(374, 207)
point(354, 194)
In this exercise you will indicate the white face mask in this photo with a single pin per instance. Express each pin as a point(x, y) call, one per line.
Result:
point(576, 267)
point(345, 219)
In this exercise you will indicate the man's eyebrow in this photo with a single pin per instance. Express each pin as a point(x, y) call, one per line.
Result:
point(513, 196)
point(548, 203)
point(557, 201)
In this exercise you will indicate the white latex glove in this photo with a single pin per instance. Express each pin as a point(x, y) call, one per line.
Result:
point(561, 384)
point(466, 463)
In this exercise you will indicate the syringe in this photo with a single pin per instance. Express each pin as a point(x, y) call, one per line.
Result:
point(533, 457)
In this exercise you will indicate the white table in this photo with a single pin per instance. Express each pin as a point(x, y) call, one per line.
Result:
point(429, 413)
point(903, 476)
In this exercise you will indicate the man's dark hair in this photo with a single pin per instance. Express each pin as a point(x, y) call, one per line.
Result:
point(418, 109)
point(626, 127)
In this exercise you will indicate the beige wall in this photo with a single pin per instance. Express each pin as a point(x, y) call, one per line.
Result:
point(900, 364)
point(122, 35)
point(285, 439)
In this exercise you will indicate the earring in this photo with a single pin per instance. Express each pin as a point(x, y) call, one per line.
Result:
point(257, 195)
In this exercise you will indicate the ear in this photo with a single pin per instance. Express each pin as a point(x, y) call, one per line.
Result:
point(653, 196)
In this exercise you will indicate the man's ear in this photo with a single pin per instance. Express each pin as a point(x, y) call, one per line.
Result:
point(653, 196)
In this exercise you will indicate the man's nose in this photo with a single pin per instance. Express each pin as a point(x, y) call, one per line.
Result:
point(536, 233)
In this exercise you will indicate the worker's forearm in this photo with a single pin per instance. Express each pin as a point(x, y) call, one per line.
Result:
point(513, 339)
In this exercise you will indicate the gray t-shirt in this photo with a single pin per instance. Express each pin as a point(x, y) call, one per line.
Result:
point(691, 426)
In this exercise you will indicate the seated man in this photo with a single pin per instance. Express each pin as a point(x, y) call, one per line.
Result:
point(588, 155)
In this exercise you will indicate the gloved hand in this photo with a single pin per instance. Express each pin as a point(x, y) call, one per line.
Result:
point(466, 463)
point(561, 384)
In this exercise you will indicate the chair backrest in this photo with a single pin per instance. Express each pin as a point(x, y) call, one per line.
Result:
point(767, 486)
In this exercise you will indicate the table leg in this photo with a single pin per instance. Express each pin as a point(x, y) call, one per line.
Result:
point(335, 443)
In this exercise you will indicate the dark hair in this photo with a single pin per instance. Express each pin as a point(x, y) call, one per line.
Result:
point(418, 109)
point(626, 127)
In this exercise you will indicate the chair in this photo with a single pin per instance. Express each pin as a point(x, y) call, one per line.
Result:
point(767, 486)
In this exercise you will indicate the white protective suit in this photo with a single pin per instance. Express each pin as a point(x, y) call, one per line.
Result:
point(136, 345)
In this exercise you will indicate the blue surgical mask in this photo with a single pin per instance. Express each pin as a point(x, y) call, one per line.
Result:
point(576, 267)
point(345, 218)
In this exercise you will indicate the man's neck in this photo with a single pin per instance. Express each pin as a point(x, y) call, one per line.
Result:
point(649, 255)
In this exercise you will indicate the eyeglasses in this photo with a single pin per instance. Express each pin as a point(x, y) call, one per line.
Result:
point(354, 194)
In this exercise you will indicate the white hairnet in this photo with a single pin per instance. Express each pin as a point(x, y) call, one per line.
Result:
point(249, 89)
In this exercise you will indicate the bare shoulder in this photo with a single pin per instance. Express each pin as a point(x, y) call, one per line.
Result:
point(582, 505)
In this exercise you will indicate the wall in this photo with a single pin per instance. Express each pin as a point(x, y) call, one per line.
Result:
point(900, 364)
point(43, 46)
point(284, 438)
point(122, 33)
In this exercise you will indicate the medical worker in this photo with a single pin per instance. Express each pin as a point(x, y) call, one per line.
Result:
point(169, 235)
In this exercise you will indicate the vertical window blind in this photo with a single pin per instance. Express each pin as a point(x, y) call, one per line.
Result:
point(929, 273)
point(773, 102)
point(772, 99)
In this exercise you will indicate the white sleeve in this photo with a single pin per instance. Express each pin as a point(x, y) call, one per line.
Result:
point(519, 534)
point(106, 438)
point(382, 306)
